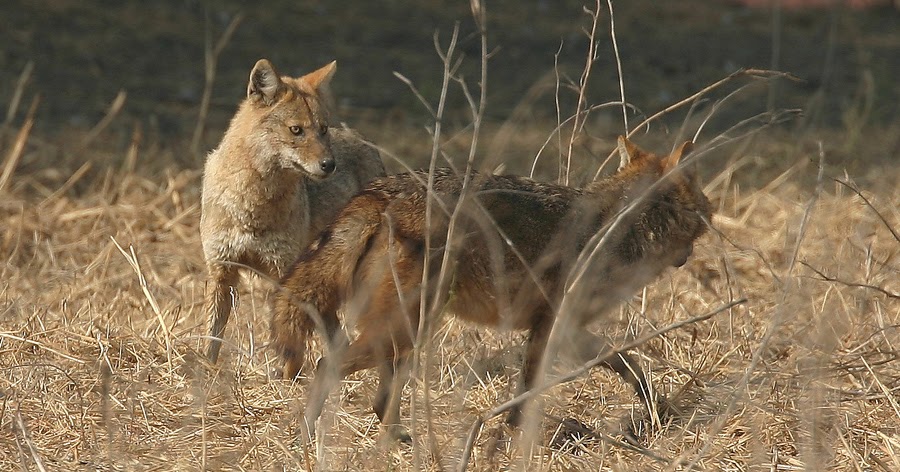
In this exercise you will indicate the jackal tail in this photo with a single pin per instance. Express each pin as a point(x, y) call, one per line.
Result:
point(311, 293)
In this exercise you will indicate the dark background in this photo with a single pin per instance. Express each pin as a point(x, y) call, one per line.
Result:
point(86, 51)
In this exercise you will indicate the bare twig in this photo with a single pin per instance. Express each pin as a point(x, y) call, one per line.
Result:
point(869, 204)
point(68, 184)
point(424, 326)
point(131, 156)
point(827, 278)
point(415, 91)
point(211, 56)
point(43, 346)
point(582, 87)
point(558, 131)
point(612, 34)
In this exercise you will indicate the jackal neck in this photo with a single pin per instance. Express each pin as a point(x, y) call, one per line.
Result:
point(258, 189)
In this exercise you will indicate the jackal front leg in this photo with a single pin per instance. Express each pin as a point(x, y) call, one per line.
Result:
point(221, 298)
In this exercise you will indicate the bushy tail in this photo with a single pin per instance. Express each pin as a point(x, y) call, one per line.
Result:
point(311, 293)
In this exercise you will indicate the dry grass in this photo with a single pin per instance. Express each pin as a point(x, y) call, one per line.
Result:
point(100, 364)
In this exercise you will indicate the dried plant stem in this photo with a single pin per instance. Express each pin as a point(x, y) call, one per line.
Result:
point(872, 207)
point(582, 88)
point(558, 130)
point(26, 438)
point(12, 159)
point(615, 44)
point(444, 277)
point(114, 108)
point(16, 99)
point(41, 345)
point(69, 183)
point(424, 327)
point(135, 264)
point(827, 278)
point(131, 156)
point(211, 56)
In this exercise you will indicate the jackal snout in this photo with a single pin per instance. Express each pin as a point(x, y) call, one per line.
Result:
point(683, 257)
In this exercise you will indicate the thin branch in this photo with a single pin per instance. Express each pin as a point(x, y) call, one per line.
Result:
point(211, 60)
point(558, 132)
point(869, 204)
point(612, 33)
point(827, 278)
point(582, 87)
point(423, 328)
point(416, 92)
point(135, 264)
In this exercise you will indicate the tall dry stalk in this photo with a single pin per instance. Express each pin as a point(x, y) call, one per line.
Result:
point(16, 98)
point(581, 118)
point(15, 154)
point(211, 60)
point(114, 109)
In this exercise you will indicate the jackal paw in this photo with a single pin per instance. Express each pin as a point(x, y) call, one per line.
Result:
point(397, 433)
point(571, 431)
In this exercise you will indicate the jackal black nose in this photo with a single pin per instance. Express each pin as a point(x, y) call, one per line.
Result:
point(327, 165)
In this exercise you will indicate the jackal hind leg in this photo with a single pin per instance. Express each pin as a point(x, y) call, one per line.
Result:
point(392, 377)
point(385, 339)
point(534, 351)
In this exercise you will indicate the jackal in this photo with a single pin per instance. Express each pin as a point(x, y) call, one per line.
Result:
point(521, 252)
point(265, 194)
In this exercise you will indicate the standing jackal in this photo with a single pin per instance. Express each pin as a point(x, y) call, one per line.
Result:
point(523, 253)
point(265, 193)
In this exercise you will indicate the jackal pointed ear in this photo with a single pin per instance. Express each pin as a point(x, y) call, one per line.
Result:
point(265, 84)
point(627, 151)
point(671, 161)
point(319, 79)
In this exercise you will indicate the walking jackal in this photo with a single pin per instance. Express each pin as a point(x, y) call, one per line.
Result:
point(523, 254)
point(279, 177)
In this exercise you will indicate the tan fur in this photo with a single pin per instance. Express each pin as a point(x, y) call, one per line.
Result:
point(268, 189)
point(518, 243)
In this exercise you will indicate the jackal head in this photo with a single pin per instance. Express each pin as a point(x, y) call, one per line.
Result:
point(679, 212)
point(292, 117)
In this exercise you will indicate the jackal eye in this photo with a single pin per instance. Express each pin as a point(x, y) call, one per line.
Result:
point(296, 130)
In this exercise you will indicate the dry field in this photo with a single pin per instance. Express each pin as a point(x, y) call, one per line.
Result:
point(102, 326)
point(102, 321)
